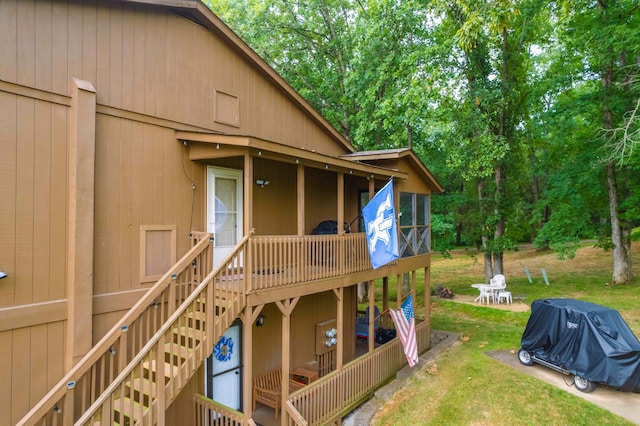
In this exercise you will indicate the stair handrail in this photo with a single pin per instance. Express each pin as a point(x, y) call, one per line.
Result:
point(168, 325)
point(50, 400)
point(118, 381)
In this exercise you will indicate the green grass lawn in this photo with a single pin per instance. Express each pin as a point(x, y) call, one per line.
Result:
point(465, 386)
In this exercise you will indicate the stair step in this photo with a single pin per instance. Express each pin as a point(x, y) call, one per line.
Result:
point(170, 370)
point(180, 352)
point(144, 387)
point(185, 336)
point(132, 411)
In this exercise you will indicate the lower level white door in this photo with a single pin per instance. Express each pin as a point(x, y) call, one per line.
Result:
point(224, 369)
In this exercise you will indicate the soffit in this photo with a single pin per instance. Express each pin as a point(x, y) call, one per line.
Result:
point(396, 154)
point(212, 145)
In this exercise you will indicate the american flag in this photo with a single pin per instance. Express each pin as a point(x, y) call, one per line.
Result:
point(405, 323)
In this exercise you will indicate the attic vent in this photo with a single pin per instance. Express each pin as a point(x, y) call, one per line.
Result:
point(226, 109)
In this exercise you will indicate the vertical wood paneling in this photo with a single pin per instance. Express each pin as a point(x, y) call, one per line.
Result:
point(150, 51)
point(60, 54)
point(137, 195)
point(171, 64)
point(128, 61)
point(89, 43)
point(9, 40)
point(6, 352)
point(180, 64)
point(103, 55)
point(26, 43)
point(20, 372)
point(125, 231)
point(115, 56)
point(43, 51)
point(101, 231)
point(148, 208)
point(156, 173)
point(55, 352)
point(25, 201)
point(42, 201)
point(38, 359)
point(169, 177)
point(99, 327)
point(139, 71)
point(113, 207)
point(189, 67)
point(160, 27)
point(58, 232)
point(8, 178)
point(74, 43)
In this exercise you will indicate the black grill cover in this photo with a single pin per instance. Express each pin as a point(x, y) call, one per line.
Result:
point(586, 339)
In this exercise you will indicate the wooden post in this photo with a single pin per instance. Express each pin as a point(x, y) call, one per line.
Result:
point(248, 194)
point(372, 315)
point(80, 231)
point(286, 308)
point(248, 317)
point(340, 258)
point(300, 198)
point(385, 299)
point(339, 294)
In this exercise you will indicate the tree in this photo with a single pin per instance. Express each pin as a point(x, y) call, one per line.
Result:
point(607, 35)
point(489, 105)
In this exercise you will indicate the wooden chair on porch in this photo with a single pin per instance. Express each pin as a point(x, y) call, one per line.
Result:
point(267, 390)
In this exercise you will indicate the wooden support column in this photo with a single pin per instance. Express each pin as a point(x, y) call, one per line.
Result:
point(300, 198)
point(372, 315)
point(385, 299)
point(340, 190)
point(340, 257)
point(248, 317)
point(286, 307)
point(80, 230)
point(248, 194)
point(427, 294)
point(339, 294)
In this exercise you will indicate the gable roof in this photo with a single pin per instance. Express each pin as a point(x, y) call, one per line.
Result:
point(196, 11)
point(396, 154)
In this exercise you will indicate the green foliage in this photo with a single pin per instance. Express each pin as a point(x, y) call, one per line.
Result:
point(504, 101)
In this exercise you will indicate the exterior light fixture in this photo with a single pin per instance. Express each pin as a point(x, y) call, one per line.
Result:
point(260, 321)
point(262, 183)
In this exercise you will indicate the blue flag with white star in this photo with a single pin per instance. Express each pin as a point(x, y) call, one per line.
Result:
point(380, 223)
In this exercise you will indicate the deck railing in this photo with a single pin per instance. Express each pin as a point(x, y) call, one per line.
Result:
point(278, 261)
point(334, 395)
point(211, 413)
point(87, 380)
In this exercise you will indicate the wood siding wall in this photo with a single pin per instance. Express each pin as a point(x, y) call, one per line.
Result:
point(144, 59)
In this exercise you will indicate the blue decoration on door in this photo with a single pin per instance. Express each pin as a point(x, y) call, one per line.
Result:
point(223, 349)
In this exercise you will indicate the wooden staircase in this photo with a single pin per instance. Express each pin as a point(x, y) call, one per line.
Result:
point(138, 369)
point(132, 401)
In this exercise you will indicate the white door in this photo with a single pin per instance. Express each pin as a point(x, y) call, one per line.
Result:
point(224, 210)
point(224, 377)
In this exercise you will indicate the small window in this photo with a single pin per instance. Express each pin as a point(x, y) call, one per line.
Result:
point(157, 251)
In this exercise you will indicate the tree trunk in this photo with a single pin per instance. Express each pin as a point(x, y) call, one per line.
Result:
point(488, 260)
point(622, 272)
point(363, 292)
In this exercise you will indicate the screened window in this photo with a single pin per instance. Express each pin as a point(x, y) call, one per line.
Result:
point(414, 224)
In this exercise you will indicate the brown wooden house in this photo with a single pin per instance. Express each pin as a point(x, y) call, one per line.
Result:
point(159, 188)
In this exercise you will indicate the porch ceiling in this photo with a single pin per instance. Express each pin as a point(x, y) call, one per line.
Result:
point(211, 145)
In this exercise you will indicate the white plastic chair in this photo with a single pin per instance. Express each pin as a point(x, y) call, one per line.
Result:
point(506, 296)
point(486, 294)
point(497, 284)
